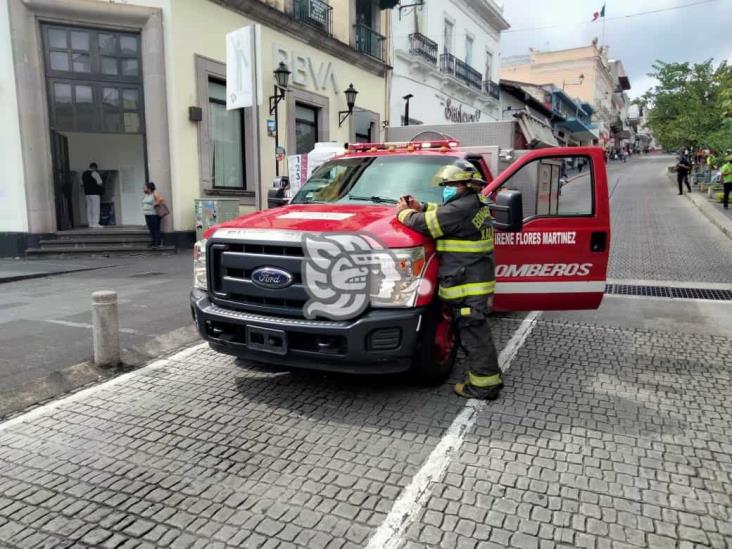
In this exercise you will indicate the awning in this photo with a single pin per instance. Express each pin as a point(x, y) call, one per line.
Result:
point(538, 135)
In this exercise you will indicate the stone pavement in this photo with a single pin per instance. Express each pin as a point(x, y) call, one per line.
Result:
point(604, 437)
point(658, 235)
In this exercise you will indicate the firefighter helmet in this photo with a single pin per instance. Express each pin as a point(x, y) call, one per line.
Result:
point(459, 172)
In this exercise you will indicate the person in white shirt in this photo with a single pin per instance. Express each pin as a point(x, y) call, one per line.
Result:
point(93, 189)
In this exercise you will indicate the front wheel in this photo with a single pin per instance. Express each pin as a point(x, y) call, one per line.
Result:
point(437, 346)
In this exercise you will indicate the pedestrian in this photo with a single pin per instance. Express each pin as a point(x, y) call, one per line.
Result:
point(726, 173)
point(463, 233)
point(93, 189)
point(151, 203)
point(683, 167)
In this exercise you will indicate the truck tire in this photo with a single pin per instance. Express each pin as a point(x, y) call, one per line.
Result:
point(437, 347)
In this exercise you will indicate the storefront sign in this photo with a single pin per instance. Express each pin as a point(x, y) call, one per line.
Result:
point(306, 72)
point(456, 114)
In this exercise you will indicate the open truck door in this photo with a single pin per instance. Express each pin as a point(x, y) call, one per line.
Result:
point(558, 259)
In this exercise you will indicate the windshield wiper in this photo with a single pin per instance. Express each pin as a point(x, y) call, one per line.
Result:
point(377, 199)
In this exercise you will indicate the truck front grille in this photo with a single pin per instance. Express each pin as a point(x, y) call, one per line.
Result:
point(230, 267)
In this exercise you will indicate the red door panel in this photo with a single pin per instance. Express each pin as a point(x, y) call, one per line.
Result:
point(557, 261)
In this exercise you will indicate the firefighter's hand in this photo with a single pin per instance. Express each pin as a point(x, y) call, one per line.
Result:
point(413, 203)
point(402, 205)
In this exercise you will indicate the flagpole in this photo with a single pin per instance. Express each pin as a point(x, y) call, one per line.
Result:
point(603, 26)
point(603, 33)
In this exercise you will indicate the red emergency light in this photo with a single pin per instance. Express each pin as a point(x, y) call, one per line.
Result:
point(409, 146)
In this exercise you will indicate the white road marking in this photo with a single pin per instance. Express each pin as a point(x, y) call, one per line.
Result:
point(390, 534)
point(53, 405)
point(84, 325)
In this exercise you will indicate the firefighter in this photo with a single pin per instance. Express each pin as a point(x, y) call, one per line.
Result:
point(726, 173)
point(463, 234)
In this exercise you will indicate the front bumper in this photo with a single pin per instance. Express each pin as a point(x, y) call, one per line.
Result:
point(379, 342)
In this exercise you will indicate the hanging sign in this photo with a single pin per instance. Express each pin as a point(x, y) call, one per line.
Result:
point(242, 68)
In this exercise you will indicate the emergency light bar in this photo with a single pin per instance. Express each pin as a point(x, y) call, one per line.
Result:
point(442, 144)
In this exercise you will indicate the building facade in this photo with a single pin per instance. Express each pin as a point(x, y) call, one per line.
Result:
point(570, 119)
point(446, 62)
point(140, 88)
point(584, 73)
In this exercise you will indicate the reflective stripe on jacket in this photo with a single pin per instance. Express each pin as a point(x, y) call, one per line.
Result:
point(463, 234)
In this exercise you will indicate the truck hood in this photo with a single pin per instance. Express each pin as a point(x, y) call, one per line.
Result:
point(377, 220)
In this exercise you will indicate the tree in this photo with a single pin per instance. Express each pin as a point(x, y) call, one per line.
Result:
point(692, 105)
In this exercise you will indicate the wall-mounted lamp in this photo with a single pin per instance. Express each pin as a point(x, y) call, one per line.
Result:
point(282, 75)
point(351, 94)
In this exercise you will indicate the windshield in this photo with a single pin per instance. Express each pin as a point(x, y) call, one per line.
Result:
point(377, 179)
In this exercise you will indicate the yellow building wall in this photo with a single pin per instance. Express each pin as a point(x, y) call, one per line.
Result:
point(371, 96)
point(199, 28)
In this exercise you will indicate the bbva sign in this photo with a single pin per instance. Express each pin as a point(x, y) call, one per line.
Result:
point(306, 71)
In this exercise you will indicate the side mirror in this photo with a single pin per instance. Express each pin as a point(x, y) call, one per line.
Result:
point(508, 211)
point(276, 198)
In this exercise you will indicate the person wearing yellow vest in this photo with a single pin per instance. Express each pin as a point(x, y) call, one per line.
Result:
point(726, 173)
point(463, 232)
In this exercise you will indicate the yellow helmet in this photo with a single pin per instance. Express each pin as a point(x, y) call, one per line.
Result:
point(459, 172)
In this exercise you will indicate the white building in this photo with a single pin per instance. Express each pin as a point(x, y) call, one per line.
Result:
point(446, 57)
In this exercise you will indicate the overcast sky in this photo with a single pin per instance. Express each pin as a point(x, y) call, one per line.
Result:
point(693, 33)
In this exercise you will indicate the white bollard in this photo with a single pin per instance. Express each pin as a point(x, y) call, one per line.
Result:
point(105, 328)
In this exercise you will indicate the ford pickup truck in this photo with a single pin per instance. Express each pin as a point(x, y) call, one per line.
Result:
point(552, 236)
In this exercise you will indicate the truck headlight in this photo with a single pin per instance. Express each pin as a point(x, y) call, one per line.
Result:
point(398, 287)
point(199, 265)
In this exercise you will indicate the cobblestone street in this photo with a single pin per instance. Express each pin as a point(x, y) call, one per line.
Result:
point(608, 433)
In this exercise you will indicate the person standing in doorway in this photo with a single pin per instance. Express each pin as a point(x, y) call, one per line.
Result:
point(93, 189)
point(149, 201)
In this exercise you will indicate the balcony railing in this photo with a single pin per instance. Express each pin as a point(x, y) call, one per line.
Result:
point(315, 13)
point(369, 41)
point(422, 46)
point(451, 65)
point(492, 89)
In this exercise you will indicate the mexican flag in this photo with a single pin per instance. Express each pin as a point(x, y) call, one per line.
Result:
point(598, 14)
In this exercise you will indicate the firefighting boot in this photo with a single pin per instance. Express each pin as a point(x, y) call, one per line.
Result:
point(467, 390)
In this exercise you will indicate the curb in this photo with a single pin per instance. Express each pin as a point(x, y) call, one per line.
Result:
point(76, 377)
point(716, 218)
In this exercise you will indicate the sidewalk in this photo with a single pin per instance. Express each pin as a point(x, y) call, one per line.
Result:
point(45, 320)
point(710, 208)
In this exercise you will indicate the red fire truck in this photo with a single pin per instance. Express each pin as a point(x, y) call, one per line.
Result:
point(551, 216)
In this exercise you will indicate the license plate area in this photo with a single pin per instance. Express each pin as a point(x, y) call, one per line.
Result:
point(267, 340)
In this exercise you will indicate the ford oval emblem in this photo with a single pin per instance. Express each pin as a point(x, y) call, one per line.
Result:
point(271, 277)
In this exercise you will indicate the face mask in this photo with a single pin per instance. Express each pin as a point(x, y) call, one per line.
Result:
point(448, 193)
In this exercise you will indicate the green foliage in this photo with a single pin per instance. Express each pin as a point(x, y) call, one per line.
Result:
point(691, 106)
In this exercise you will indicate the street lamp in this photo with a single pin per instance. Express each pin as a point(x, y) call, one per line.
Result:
point(351, 94)
point(406, 108)
point(282, 75)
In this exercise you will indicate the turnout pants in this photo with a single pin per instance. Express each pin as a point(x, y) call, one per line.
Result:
point(683, 177)
point(482, 358)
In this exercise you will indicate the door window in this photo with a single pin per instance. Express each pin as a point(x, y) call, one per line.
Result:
point(306, 128)
point(558, 186)
point(469, 50)
point(488, 65)
point(447, 36)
